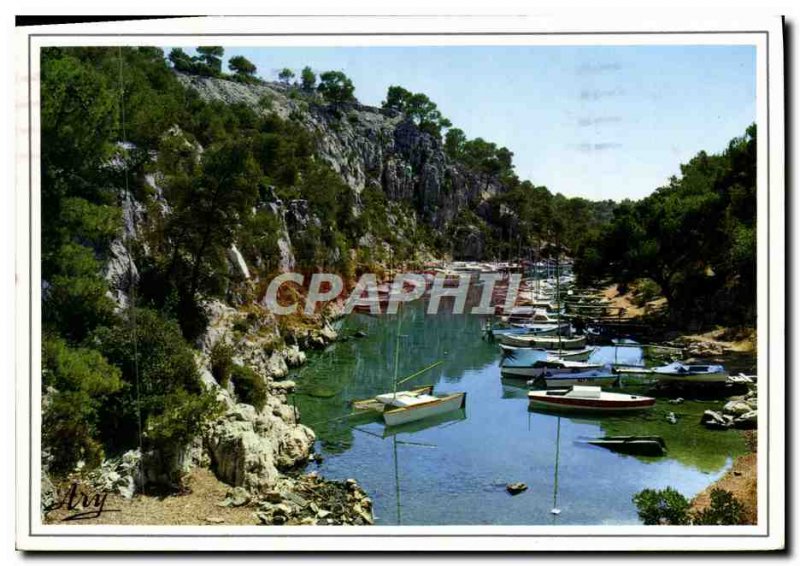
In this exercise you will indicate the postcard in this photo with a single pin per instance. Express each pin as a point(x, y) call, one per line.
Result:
point(390, 283)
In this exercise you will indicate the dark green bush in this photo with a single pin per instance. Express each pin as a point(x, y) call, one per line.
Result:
point(725, 509)
point(221, 359)
point(250, 387)
point(164, 377)
point(662, 507)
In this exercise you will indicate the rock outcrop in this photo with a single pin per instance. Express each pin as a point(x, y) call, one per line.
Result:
point(367, 147)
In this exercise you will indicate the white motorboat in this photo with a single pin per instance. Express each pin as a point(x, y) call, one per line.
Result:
point(546, 342)
point(572, 355)
point(690, 373)
point(588, 399)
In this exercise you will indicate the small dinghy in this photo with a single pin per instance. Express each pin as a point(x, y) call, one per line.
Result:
point(634, 445)
point(402, 409)
point(588, 399)
point(690, 373)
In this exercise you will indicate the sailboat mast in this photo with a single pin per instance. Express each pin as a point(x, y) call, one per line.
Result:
point(558, 297)
point(555, 510)
point(396, 356)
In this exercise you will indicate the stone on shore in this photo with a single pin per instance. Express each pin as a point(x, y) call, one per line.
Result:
point(715, 420)
point(309, 500)
point(746, 421)
point(736, 408)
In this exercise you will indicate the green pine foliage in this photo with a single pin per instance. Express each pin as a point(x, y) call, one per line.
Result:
point(695, 238)
point(662, 507)
point(725, 509)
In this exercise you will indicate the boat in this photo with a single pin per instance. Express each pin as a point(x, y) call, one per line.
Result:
point(409, 408)
point(536, 318)
point(573, 355)
point(690, 373)
point(540, 341)
point(588, 399)
point(634, 445)
point(403, 407)
point(547, 365)
point(374, 404)
point(556, 380)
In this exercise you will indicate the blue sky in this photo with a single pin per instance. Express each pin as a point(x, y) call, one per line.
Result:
point(593, 121)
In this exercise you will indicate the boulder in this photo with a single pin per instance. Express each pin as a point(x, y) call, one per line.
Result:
point(283, 386)
point(236, 497)
point(736, 408)
point(516, 488)
point(240, 455)
point(295, 446)
point(294, 356)
point(276, 366)
point(123, 475)
point(747, 420)
point(715, 420)
point(49, 495)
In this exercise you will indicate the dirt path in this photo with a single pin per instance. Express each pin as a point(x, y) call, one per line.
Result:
point(741, 481)
point(199, 506)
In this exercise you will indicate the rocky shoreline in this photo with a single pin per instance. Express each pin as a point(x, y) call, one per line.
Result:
point(257, 453)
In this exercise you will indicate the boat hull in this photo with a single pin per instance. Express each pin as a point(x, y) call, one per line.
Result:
point(571, 355)
point(443, 405)
point(549, 343)
point(609, 403)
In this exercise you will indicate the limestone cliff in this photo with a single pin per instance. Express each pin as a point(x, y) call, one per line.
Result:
point(369, 147)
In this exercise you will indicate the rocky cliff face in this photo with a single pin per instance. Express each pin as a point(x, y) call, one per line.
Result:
point(369, 146)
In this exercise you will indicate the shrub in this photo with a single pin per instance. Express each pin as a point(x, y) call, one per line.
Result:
point(250, 387)
point(662, 507)
point(159, 371)
point(725, 509)
point(221, 358)
point(76, 382)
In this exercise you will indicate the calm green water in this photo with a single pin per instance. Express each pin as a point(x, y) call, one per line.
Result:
point(454, 471)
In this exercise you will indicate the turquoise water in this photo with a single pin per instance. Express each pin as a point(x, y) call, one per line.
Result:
point(454, 470)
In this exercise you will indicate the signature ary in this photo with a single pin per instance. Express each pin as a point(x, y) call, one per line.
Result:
point(82, 504)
